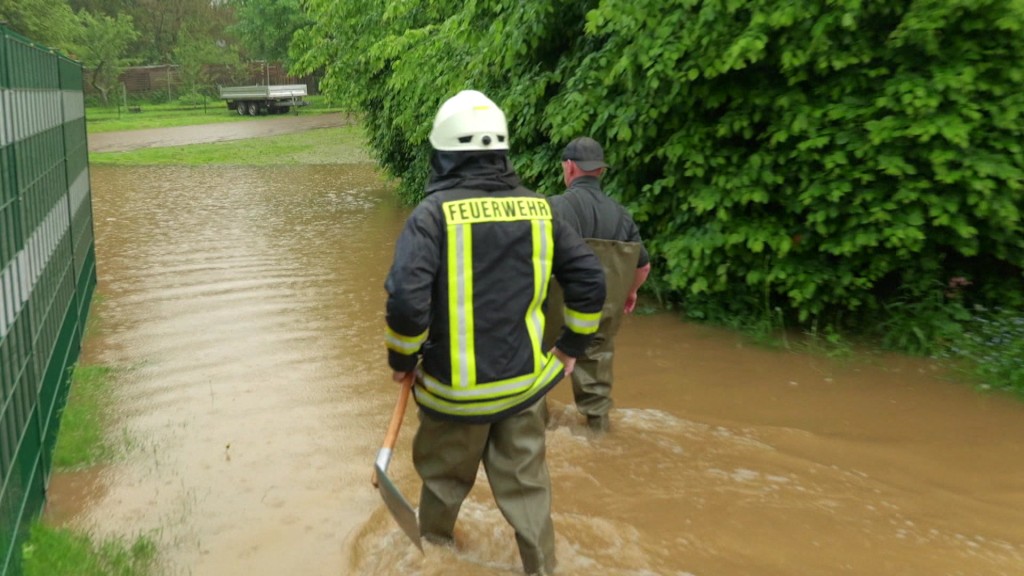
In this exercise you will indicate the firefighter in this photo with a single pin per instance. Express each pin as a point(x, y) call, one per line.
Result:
point(465, 311)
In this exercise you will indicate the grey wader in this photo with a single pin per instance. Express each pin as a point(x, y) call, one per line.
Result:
point(447, 456)
point(592, 377)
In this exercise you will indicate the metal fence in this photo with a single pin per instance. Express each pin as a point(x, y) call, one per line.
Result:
point(47, 269)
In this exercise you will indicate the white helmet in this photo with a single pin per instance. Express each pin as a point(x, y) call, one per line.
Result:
point(469, 121)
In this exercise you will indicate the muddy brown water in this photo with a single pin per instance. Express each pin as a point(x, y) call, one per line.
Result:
point(243, 309)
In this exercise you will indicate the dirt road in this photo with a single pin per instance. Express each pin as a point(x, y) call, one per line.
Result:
point(205, 133)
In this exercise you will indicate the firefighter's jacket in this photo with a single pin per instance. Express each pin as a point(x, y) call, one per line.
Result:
point(466, 292)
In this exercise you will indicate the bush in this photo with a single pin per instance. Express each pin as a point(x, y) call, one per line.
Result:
point(828, 161)
point(926, 325)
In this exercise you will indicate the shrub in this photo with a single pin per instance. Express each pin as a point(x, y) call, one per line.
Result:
point(827, 161)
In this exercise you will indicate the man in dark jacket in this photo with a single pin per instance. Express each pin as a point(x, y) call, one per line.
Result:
point(609, 229)
point(466, 294)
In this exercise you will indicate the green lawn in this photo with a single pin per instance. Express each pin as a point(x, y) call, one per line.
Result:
point(80, 441)
point(54, 551)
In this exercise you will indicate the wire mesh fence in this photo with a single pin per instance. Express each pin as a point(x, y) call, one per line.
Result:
point(47, 269)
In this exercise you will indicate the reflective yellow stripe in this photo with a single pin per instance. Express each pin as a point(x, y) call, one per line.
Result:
point(582, 322)
point(495, 389)
point(460, 305)
point(404, 344)
point(474, 210)
point(469, 358)
point(552, 369)
point(543, 240)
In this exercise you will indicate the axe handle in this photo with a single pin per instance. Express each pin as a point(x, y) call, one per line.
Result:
point(395, 425)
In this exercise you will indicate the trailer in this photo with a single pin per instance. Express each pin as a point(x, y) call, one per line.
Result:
point(255, 100)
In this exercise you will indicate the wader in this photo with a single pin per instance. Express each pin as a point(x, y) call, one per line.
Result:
point(447, 456)
point(592, 377)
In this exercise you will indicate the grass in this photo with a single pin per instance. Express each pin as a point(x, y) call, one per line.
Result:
point(80, 441)
point(63, 552)
point(114, 119)
point(111, 119)
point(320, 146)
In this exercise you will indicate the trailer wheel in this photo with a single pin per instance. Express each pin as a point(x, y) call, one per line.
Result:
point(254, 109)
point(240, 108)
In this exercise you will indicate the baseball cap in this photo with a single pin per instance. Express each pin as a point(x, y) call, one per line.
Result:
point(586, 153)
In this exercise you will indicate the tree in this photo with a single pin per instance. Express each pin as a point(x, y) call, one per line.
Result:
point(357, 44)
point(194, 53)
point(49, 22)
point(101, 45)
point(108, 7)
point(265, 27)
point(161, 23)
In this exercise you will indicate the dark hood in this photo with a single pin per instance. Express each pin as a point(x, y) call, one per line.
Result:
point(487, 171)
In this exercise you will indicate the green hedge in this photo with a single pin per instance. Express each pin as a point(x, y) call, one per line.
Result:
point(824, 160)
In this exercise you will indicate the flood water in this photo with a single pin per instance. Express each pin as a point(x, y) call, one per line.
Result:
point(243, 311)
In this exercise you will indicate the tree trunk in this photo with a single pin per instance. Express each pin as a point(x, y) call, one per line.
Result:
point(97, 84)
